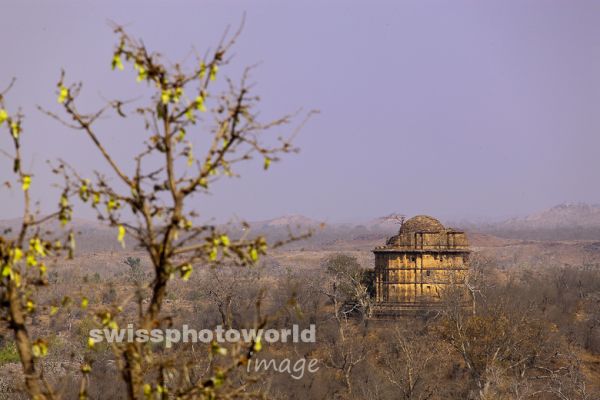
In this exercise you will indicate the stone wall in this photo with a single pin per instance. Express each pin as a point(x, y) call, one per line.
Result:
point(415, 267)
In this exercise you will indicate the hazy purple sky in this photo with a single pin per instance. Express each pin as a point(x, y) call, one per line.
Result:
point(452, 108)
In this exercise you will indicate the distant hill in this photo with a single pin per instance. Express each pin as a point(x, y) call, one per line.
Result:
point(566, 215)
point(91, 236)
point(567, 221)
point(287, 220)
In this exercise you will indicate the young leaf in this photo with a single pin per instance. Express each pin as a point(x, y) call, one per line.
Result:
point(165, 97)
point(142, 73)
point(200, 103)
point(63, 94)
point(17, 255)
point(15, 129)
point(116, 62)
point(225, 240)
point(26, 182)
point(186, 271)
point(253, 254)
point(213, 72)
point(202, 72)
point(213, 254)
point(121, 236)
point(257, 345)
point(31, 261)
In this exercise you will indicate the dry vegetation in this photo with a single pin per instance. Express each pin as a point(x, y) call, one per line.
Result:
point(534, 332)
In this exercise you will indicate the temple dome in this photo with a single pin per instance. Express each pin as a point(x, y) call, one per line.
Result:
point(421, 223)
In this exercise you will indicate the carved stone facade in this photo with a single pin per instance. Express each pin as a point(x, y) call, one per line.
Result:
point(417, 264)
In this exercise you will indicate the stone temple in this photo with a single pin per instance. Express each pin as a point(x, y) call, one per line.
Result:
point(418, 264)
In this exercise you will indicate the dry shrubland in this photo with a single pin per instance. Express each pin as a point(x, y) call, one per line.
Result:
point(533, 332)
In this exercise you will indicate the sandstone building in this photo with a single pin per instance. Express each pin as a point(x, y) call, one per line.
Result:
point(417, 264)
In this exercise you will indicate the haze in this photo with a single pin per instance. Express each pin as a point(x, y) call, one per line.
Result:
point(462, 109)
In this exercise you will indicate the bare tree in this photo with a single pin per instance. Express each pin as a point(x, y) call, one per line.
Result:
point(406, 360)
point(151, 205)
point(24, 258)
point(350, 287)
point(347, 295)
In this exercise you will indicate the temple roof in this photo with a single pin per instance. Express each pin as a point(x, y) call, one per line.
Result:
point(421, 223)
point(405, 239)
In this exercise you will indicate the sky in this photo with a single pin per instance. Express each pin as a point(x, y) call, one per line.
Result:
point(461, 109)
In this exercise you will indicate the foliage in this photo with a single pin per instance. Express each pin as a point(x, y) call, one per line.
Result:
point(25, 256)
point(150, 206)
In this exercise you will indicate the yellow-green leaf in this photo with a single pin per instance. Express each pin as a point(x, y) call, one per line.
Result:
point(147, 389)
point(189, 114)
point(213, 72)
point(3, 115)
point(225, 240)
point(213, 254)
point(165, 97)
point(200, 103)
point(116, 62)
point(186, 271)
point(26, 182)
point(17, 254)
point(63, 94)
point(178, 94)
point(202, 72)
point(142, 73)
point(36, 244)
point(83, 192)
point(216, 349)
point(253, 254)
point(121, 235)
point(39, 349)
point(31, 260)
point(106, 318)
point(111, 204)
point(15, 129)
point(16, 277)
point(257, 344)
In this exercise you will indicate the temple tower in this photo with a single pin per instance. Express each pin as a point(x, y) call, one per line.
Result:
point(419, 263)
